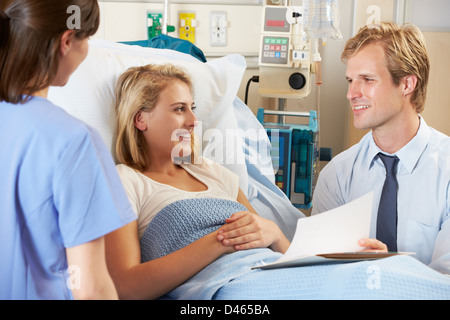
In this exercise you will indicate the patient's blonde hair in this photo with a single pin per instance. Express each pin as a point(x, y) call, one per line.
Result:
point(136, 89)
point(405, 54)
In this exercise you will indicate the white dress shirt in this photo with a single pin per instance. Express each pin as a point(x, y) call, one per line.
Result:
point(423, 197)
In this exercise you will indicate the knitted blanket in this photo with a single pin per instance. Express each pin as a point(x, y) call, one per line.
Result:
point(232, 277)
point(183, 222)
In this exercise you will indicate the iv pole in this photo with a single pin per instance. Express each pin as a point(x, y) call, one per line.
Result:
point(165, 17)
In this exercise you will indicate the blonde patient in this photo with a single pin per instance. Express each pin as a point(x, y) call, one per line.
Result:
point(155, 116)
point(154, 104)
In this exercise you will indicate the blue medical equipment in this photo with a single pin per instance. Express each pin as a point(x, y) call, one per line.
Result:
point(295, 155)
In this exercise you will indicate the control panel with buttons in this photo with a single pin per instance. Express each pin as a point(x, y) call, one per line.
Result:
point(275, 50)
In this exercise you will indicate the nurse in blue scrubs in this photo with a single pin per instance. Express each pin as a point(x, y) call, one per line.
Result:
point(59, 190)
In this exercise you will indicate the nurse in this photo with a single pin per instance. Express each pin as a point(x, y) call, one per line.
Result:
point(59, 190)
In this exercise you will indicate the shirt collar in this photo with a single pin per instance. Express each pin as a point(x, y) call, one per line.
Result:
point(409, 155)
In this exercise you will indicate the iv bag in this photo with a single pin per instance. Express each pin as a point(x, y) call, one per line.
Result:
point(322, 19)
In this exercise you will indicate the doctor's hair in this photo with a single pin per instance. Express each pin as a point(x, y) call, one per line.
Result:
point(139, 89)
point(30, 35)
point(405, 54)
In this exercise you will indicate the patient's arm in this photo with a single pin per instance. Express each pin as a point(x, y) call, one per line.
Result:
point(247, 230)
point(87, 266)
point(152, 279)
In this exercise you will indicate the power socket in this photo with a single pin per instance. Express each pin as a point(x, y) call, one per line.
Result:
point(219, 25)
point(188, 23)
point(154, 24)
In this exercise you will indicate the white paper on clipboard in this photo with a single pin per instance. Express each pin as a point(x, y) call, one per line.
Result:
point(334, 231)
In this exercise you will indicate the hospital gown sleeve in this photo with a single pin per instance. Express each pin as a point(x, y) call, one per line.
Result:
point(88, 193)
point(133, 186)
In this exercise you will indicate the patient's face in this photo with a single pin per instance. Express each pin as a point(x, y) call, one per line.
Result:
point(171, 122)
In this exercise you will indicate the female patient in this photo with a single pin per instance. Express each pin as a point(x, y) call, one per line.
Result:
point(194, 223)
point(59, 190)
point(155, 112)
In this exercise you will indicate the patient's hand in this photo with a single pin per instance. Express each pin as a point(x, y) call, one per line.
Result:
point(246, 230)
point(373, 245)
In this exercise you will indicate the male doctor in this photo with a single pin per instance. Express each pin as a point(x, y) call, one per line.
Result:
point(402, 160)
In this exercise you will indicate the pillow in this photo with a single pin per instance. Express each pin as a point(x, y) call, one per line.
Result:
point(89, 95)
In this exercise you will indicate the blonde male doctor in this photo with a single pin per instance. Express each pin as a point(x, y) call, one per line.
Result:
point(402, 160)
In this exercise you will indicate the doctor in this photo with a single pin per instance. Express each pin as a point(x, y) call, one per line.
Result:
point(387, 72)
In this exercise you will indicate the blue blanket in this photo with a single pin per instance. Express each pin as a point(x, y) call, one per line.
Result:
point(232, 277)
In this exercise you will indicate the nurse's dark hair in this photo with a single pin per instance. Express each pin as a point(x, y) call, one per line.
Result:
point(30, 34)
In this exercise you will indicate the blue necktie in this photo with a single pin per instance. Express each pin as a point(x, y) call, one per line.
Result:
point(387, 211)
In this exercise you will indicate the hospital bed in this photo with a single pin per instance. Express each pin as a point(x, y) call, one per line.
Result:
point(89, 96)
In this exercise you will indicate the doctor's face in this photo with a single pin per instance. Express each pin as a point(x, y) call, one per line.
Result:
point(170, 124)
point(375, 100)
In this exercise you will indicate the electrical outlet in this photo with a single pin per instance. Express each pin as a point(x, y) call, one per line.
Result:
point(219, 25)
point(187, 26)
point(155, 24)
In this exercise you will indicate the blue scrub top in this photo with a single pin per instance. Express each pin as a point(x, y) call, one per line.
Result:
point(58, 188)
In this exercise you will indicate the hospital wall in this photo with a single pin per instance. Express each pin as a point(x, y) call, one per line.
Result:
point(126, 21)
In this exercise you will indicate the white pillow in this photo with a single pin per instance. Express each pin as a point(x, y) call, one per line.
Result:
point(89, 95)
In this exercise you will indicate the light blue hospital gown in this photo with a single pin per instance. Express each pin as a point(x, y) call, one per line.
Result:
point(58, 189)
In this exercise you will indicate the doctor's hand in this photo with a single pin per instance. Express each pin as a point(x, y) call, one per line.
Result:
point(372, 245)
point(246, 230)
